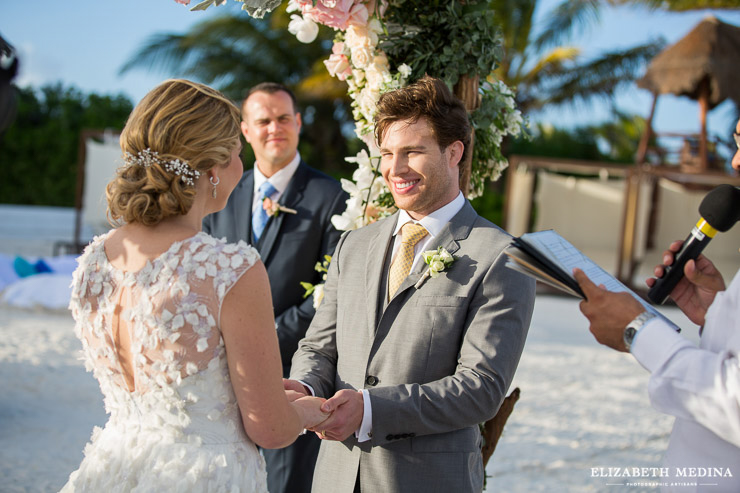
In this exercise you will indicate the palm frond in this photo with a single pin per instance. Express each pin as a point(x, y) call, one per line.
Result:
point(602, 76)
point(552, 63)
point(681, 5)
point(564, 18)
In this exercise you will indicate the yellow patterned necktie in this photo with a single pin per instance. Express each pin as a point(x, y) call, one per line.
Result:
point(410, 235)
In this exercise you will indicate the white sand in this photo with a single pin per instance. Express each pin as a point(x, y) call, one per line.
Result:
point(582, 406)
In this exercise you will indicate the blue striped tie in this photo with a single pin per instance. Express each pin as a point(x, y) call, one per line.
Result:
point(259, 216)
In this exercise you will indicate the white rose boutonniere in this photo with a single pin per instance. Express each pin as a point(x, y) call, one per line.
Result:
point(438, 260)
point(273, 208)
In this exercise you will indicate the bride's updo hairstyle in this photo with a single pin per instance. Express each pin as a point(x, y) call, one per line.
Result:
point(179, 131)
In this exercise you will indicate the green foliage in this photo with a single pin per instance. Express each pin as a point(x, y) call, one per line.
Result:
point(611, 141)
point(455, 39)
point(548, 141)
point(449, 40)
point(39, 149)
point(490, 205)
point(620, 136)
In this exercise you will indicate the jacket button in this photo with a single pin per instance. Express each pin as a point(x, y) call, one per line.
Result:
point(371, 380)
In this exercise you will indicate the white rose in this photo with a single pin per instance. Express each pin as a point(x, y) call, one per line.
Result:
point(367, 100)
point(445, 257)
point(305, 30)
point(374, 76)
point(356, 36)
point(437, 266)
point(358, 76)
point(361, 56)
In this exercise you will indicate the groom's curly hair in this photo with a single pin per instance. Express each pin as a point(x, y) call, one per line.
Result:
point(431, 99)
point(179, 120)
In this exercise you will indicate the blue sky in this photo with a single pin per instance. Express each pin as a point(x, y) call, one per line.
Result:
point(84, 43)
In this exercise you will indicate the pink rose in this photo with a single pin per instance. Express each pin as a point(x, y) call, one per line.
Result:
point(358, 14)
point(338, 66)
point(183, 2)
point(338, 48)
point(270, 207)
point(332, 13)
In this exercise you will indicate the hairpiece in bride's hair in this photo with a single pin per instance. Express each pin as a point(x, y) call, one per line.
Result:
point(147, 157)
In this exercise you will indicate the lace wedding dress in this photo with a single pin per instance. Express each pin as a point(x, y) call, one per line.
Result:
point(176, 426)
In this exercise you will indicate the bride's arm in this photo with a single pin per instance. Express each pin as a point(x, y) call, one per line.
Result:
point(248, 328)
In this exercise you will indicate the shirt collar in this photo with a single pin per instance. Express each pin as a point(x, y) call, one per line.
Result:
point(435, 221)
point(280, 179)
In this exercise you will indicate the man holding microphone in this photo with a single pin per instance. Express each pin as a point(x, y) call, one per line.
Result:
point(700, 386)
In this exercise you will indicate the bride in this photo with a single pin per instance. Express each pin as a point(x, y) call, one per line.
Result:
point(175, 325)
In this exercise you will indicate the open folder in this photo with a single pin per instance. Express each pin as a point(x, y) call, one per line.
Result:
point(550, 258)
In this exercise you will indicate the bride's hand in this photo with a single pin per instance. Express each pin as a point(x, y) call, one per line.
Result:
point(310, 410)
point(292, 395)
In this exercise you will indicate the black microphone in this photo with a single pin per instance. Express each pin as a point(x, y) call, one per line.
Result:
point(718, 211)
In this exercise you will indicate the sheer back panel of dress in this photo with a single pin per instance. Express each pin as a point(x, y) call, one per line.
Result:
point(170, 309)
point(176, 425)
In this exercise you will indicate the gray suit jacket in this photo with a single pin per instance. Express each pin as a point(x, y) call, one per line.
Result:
point(290, 246)
point(436, 360)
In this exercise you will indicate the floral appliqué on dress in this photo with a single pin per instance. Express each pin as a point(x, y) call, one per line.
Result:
point(179, 429)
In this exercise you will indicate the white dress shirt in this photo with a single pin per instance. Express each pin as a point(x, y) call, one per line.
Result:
point(701, 387)
point(279, 180)
point(433, 223)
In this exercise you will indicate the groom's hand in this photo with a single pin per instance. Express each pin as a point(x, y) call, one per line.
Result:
point(294, 386)
point(347, 410)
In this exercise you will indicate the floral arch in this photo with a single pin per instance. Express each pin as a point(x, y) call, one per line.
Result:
point(381, 45)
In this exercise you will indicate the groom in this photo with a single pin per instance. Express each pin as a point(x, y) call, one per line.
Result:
point(290, 243)
point(413, 363)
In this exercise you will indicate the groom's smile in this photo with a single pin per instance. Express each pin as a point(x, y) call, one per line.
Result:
point(403, 187)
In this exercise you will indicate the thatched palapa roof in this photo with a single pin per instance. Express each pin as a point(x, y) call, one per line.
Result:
point(712, 51)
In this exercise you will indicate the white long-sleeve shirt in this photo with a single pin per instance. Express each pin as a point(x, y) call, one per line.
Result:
point(700, 386)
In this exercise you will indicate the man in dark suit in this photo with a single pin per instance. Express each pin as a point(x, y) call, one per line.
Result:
point(283, 208)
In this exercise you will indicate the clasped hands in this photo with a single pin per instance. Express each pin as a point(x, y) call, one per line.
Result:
point(335, 418)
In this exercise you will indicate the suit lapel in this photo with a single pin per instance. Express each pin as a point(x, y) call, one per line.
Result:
point(453, 232)
point(290, 198)
point(377, 253)
point(243, 207)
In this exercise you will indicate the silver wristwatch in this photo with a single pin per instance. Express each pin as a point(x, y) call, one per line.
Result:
point(634, 326)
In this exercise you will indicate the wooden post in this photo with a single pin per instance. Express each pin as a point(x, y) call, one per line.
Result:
point(703, 109)
point(626, 260)
point(644, 144)
point(466, 90)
